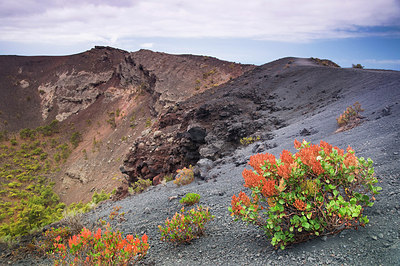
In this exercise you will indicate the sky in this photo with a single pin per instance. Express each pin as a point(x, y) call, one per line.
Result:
point(347, 32)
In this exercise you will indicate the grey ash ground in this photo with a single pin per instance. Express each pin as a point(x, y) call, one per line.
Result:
point(286, 99)
point(318, 96)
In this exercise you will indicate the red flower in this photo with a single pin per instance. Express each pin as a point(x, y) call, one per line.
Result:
point(129, 238)
point(309, 156)
point(73, 241)
point(258, 160)
point(297, 144)
point(243, 198)
point(268, 189)
point(98, 234)
point(300, 205)
point(144, 238)
point(326, 147)
point(251, 179)
point(86, 233)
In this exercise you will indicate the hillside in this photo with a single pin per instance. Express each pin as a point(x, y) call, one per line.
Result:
point(154, 113)
point(277, 103)
point(108, 96)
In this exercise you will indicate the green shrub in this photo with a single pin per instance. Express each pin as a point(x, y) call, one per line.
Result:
point(185, 226)
point(99, 197)
point(185, 176)
point(49, 130)
point(358, 66)
point(27, 133)
point(75, 139)
point(13, 142)
point(190, 199)
point(168, 178)
point(317, 191)
point(140, 185)
point(148, 122)
point(249, 140)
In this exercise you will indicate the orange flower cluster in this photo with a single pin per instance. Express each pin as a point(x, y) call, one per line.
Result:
point(309, 156)
point(326, 147)
point(300, 205)
point(297, 144)
point(258, 160)
point(351, 159)
point(285, 169)
point(269, 189)
point(93, 248)
point(243, 198)
point(251, 179)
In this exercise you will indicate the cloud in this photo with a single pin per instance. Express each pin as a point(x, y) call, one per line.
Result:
point(382, 61)
point(147, 45)
point(103, 21)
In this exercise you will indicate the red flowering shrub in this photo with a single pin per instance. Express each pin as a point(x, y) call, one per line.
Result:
point(183, 227)
point(108, 248)
point(319, 190)
point(46, 245)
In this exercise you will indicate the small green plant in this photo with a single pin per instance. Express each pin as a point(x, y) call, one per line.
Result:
point(249, 140)
point(117, 112)
point(185, 226)
point(190, 199)
point(148, 122)
point(99, 197)
point(357, 66)
point(75, 139)
point(27, 133)
point(140, 185)
point(108, 248)
point(168, 178)
point(13, 141)
point(185, 176)
point(320, 190)
point(351, 116)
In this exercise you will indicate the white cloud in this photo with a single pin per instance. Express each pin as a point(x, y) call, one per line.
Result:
point(382, 61)
point(147, 45)
point(279, 20)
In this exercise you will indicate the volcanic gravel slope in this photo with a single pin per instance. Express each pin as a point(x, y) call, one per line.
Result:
point(232, 243)
point(308, 99)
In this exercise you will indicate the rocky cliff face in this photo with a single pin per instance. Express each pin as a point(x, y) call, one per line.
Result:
point(108, 95)
point(209, 126)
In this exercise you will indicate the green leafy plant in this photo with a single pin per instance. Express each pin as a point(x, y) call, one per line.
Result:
point(168, 178)
point(108, 248)
point(351, 116)
point(185, 226)
point(99, 197)
point(140, 185)
point(249, 140)
point(75, 139)
point(190, 199)
point(320, 190)
point(357, 66)
point(185, 176)
point(148, 122)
